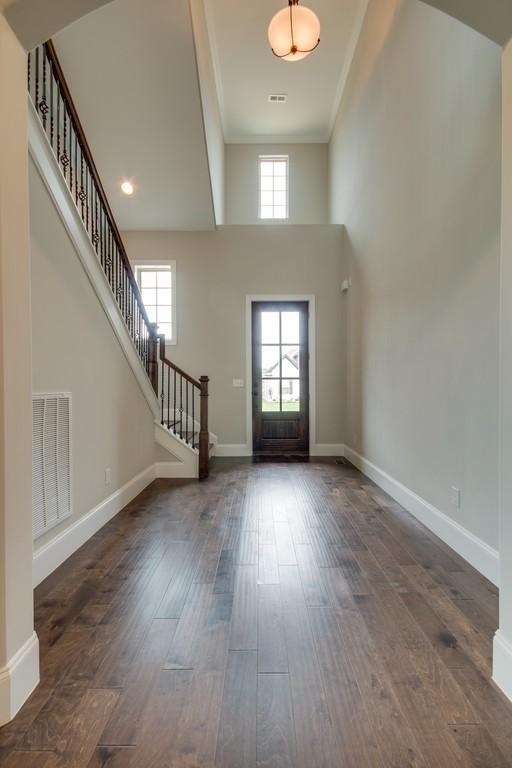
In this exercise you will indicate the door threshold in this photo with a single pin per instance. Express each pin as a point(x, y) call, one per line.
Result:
point(299, 457)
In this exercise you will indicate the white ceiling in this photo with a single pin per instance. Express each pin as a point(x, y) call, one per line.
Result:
point(247, 72)
point(132, 72)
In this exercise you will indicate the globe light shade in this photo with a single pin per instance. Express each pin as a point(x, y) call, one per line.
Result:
point(294, 32)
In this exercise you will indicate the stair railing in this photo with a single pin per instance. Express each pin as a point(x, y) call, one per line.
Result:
point(58, 116)
point(182, 399)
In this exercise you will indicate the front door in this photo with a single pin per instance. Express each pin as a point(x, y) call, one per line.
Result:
point(280, 377)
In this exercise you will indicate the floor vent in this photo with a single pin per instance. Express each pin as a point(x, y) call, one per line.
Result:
point(51, 461)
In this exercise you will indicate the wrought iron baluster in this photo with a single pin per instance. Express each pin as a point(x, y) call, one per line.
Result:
point(181, 406)
point(70, 155)
point(36, 89)
point(163, 387)
point(82, 196)
point(186, 406)
point(52, 116)
point(43, 104)
point(29, 64)
point(174, 424)
point(193, 417)
point(76, 168)
point(168, 396)
point(58, 123)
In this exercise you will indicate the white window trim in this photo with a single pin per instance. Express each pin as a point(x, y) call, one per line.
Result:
point(158, 263)
point(263, 158)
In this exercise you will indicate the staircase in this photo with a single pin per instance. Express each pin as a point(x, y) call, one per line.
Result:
point(178, 401)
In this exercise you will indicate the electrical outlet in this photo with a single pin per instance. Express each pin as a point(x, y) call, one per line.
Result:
point(455, 497)
point(108, 476)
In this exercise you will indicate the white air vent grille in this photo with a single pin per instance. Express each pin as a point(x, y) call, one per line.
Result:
point(277, 98)
point(51, 461)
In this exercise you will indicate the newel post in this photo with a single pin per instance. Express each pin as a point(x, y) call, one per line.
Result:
point(154, 348)
point(204, 433)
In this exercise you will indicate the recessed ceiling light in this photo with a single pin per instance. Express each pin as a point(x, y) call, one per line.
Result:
point(127, 188)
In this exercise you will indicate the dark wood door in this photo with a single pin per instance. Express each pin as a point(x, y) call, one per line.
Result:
point(280, 377)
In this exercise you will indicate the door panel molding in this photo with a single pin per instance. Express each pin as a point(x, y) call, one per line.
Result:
point(270, 297)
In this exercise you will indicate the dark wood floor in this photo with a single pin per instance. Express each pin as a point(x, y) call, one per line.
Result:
point(277, 615)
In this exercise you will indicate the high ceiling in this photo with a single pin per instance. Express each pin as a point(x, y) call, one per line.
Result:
point(132, 71)
point(247, 72)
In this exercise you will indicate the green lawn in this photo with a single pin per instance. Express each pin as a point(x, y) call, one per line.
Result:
point(271, 406)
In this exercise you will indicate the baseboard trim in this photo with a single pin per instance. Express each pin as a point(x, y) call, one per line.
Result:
point(48, 557)
point(479, 554)
point(502, 663)
point(175, 469)
point(327, 449)
point(316, 449)
point(18, 679)
point(234, 450)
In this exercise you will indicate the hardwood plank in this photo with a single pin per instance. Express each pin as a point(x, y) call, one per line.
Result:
point(186, 643)
point(268, 570)
point(244, 622)
point(272, 651)
point(311, 579)
point(357, 745)
point(275, 728)
point(122, 726)
point(476, 743)
point(78, 742)
point(236, 743)
point(314, 731)
point(284, 543)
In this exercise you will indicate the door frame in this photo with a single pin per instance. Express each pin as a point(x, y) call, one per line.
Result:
point(249, 300)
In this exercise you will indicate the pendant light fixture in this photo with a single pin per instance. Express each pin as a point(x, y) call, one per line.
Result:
point(294, 32)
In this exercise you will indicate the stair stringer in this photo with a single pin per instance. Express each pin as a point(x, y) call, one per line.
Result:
point(186, 458)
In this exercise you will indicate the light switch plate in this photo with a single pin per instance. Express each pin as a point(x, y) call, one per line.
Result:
point(238, 383)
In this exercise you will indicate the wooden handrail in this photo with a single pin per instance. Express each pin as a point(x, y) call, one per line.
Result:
point(70, 104)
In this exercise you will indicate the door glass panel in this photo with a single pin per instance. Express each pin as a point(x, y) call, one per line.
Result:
point(269, 395)
point(290, 328)
point(290, 394)
point(290, 362)
point(270, 362)
point(270, 327)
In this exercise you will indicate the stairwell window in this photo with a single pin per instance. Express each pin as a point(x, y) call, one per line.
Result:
point(273, 200)
point(157, 283)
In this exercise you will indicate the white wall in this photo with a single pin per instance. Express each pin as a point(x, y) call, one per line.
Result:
point(215, 272)
point(75, 350)
point(415, 178)
point(19, 662)
point(502, 657)
point(308, 174)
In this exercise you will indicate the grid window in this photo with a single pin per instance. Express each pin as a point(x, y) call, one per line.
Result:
point(273, 187)
point(157, 285)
